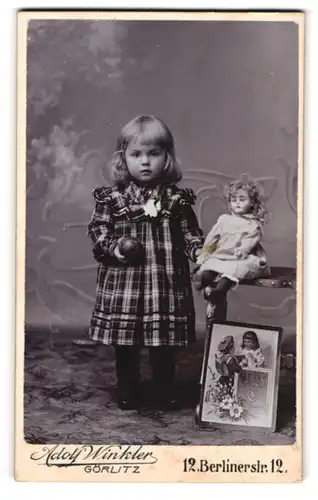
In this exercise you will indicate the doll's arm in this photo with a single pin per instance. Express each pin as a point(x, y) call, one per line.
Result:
point(248, 242)
point(101, 232)
point(210, 241)
point(213, 234)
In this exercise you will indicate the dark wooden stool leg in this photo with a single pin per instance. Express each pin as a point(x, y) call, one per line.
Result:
point(214, 312)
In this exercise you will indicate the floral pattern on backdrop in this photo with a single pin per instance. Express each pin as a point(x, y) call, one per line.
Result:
point(88, 78)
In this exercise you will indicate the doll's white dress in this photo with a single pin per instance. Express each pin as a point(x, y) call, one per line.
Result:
point(230, 236)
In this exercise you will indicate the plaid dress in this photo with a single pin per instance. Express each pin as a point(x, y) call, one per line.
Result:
point(148, 304)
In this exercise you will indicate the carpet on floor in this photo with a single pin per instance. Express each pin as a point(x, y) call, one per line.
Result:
point(70, 398)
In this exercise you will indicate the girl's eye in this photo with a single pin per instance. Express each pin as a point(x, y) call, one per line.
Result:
point(135, 154)
point(156, 153)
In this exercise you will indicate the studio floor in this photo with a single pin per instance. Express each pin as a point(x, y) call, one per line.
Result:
point(70, 398)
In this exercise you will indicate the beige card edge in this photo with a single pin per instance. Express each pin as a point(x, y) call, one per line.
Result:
point(169, 465)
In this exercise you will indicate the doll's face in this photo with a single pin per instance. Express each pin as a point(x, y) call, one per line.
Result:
point(240, 202)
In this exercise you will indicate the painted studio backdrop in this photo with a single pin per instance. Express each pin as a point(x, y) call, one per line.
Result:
point(227, 90)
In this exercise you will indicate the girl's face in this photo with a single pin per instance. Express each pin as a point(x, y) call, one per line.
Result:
point(145, 161)
point(249, 344)
point(240, 202)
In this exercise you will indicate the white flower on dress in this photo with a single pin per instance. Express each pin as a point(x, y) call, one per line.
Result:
point(152, 208)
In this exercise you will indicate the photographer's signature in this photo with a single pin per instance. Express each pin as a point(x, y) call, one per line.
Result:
point(112, 459)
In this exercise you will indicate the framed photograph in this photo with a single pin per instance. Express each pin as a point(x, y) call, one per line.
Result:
point(241, 376)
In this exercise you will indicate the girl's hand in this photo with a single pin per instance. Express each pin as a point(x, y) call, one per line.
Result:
point(118, 255)
point(198, 253)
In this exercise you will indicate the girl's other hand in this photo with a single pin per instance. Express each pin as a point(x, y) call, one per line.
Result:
point(199, 256)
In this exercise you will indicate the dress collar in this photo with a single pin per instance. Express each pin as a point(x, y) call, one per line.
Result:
point(140, 194)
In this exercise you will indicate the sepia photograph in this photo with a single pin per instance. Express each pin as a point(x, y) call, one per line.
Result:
point(241, 376)
point(159, 223)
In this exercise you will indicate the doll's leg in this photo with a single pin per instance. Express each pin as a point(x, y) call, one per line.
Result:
point(204, 278)
point(162, 360)
point(225, 284)
point(221, 289)
point(197, 279)
point(127, 369)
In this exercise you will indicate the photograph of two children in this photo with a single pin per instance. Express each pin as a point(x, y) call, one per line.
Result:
point(159, 315)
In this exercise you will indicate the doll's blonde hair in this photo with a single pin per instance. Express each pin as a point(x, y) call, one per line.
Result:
point(153, 131)
point(255, 193)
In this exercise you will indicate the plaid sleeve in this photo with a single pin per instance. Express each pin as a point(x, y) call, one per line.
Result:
point(192, 233)
point(101, 231)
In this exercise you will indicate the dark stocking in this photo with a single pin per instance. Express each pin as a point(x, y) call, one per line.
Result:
point(163, 370)
point(127, 369)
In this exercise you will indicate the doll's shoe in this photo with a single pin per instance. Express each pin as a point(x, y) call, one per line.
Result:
point(209, 294)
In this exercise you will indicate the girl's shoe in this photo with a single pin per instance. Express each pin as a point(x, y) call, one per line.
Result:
point(128, 402)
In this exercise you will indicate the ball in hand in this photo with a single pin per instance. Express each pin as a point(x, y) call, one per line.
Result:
point(131, 249)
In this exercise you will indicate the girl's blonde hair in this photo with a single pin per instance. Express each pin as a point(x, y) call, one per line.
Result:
point(152, 130)
point(254, 192)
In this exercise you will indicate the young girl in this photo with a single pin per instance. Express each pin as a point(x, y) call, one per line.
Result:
point(253, 355)
point(232, 249)
point(145, 302)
